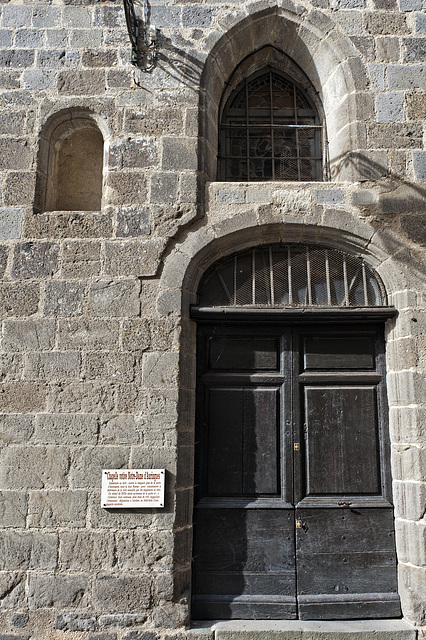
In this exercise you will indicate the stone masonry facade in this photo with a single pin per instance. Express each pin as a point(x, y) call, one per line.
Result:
point(97, 346)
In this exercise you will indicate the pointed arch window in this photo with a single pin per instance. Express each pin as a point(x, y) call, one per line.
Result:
point(270, 130)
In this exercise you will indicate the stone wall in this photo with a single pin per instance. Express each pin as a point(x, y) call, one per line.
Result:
point(97, 348)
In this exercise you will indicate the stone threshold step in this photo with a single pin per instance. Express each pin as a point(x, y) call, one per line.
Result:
point(303, 630)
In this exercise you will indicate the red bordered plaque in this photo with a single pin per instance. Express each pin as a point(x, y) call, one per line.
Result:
point(132, 488)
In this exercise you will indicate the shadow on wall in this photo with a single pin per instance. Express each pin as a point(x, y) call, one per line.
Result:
point(395, 203)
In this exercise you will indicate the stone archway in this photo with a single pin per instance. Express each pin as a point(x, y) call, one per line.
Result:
point(317, 46)
point(182, 272)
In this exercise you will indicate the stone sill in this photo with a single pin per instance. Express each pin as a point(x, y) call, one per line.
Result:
point(304, 630)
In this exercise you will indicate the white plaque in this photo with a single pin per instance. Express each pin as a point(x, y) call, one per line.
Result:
point(130, 488)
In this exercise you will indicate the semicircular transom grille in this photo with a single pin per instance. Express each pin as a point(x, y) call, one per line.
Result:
point(291, 275)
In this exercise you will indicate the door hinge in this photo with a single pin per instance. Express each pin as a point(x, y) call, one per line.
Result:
point(296, 446)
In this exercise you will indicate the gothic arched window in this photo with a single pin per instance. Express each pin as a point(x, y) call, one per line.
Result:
point(270, 130)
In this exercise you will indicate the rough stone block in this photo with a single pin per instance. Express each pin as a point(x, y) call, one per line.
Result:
point(410, 500)
point(127, 188)
point(110, 366)
point(386, 22)
point(165, 16)
point(15, 429)
point(64, 298)
point(12, 589)
point(69, 225)
point(60, 592)
point(230, 196)
point(87, 464)
point(6, 37)
point(139, 549)
point(390, 107)
point(75, 622)
point(415, 106)
point(34, 467)
point(45, 15)
point(377, 76)
point(134, 590)
point(99, 58)
point(419, 164)
point(121, 429)
point(94, 333)
point(10, 223)
point(52, 366)
point(57, 59)
point(24, 550)
point(411, 542)
point(408, 462)
point(28, 335)
point(79, 17)
point(35, 260)
point(80, 259)
point(56, 38)
point(88, 397)
point(22, 397)
point(64, 428)
point(388, 135)
point(164, 187)
point(133, 258)
point(19, 188)
point(109, 17)
point(29, 39)
point(198, 16)
point(401, 76)
point(16, 16)
point(414, 49)
point(38, 80)
point(19, 299)
point(133, 221)
point(81, 82)
point(160, 370)
point(13, 509)
point(387, 49)
point(159, 121)
point(16, 59)
point(136, 334)
point(414, 226)
point(134, 153)
point(420, 26)
point(86, 38)
point(4, 250)
point(116, 298)
point(57, 509)
point(329, 196)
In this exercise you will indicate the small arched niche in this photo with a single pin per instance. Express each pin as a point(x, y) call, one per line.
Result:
point(70, 163)
point(271, 127)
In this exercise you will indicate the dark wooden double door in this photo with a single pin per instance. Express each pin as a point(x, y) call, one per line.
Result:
point(293, 515)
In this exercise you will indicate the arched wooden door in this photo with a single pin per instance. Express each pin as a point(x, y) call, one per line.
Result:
point(293, 515)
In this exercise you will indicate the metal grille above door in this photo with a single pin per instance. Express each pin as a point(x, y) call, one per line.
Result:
point(291, 275)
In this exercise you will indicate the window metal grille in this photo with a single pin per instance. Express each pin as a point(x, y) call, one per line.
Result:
point(270, 130)
point(291, 275)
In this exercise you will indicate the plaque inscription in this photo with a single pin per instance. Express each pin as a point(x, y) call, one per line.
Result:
point(132, 488)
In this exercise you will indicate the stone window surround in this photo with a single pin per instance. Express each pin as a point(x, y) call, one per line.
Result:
point(319, 48)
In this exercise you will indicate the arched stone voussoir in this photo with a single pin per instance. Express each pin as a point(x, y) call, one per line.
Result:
point(184, 268)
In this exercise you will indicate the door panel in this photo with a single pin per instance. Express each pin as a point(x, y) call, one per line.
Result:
point(341, 440)
point(244, 564)
point(293, 514)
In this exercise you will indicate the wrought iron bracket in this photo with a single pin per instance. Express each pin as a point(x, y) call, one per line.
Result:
point(143, 37)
